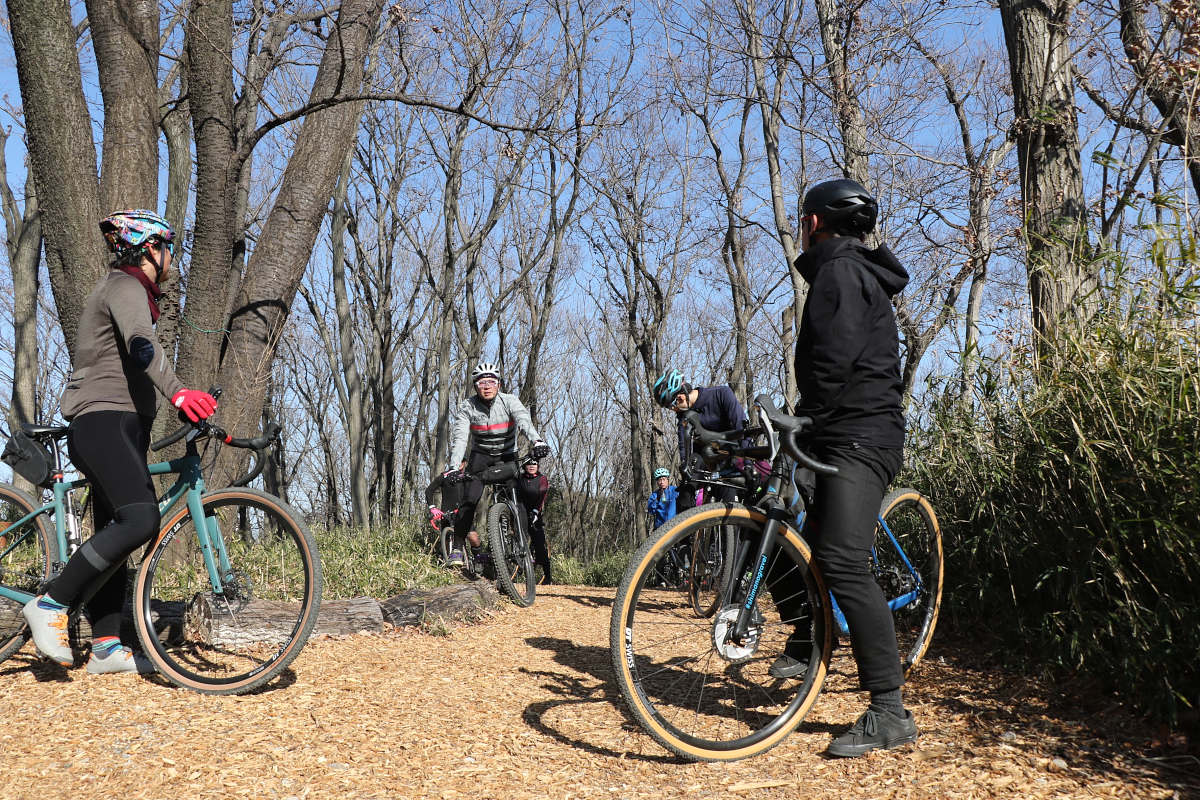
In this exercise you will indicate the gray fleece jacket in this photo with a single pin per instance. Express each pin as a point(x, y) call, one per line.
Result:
point(118, 361)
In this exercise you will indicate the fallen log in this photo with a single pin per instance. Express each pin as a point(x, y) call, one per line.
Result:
point(462, 601)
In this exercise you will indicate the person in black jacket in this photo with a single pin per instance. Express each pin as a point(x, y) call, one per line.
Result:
point(532, 488)
point(848, 372)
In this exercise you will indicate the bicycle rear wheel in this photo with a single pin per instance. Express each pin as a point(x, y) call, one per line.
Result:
point(910, 574)
point(237, 639)
point(511, 554)
point(710, 568)
point(697, 693)
point(27, 554)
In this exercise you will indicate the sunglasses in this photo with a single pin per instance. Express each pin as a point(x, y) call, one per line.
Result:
point(487, 382)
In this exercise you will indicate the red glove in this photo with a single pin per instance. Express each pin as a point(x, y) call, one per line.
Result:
point(435, 514)
point(195, 404)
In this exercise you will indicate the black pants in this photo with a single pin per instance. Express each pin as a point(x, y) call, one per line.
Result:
point(472, 490)
point(537, 538)
point(109, 447)
point(840, 528)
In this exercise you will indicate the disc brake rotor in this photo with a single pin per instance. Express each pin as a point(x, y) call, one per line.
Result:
point(726, 647)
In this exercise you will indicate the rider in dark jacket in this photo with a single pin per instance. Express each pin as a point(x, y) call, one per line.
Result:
point(532, 488)
point(848, 371)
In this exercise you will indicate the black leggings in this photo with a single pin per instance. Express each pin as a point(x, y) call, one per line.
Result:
point(109, 447)
point(541, 556)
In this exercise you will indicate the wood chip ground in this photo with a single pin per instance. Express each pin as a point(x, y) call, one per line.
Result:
point(521, 705)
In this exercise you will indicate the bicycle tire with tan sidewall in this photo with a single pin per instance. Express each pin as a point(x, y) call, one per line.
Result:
point(931, 565)
point(14, 633)
point(285, 518)
point(624, 654)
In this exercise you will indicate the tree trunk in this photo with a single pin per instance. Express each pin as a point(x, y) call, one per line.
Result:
point(353, 413)
point(125, 38)
point(1160, 76)
point(1047, 141)
point(281, 257)
point(853, 130)
point(769, 101)
point(61, 152)
point(24, 240)
point(209, 40)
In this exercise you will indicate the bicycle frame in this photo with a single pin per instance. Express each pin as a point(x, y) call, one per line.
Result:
point(190, 484)
point(893, 604)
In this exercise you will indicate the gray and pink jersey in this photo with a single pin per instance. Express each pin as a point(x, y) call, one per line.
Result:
point(490, 428)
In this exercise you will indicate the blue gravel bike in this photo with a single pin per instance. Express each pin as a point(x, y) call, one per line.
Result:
point(699, 680)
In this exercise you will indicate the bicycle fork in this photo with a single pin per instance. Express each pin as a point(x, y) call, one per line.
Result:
point(767, 542)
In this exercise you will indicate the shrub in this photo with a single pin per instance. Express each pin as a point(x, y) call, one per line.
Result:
point(1070, 496)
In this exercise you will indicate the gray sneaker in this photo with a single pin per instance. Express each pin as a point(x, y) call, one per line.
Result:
point(456, 559)
point(787, 667)
point(120, 659)
point(875, 730)
point(49, 630)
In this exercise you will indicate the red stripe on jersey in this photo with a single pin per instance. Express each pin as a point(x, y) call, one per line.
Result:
point(499, 426)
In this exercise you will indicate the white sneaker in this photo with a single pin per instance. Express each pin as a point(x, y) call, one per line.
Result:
point(48, 627)
point(120, 659)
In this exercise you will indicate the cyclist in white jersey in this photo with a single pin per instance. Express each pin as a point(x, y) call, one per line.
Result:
point(485, 434)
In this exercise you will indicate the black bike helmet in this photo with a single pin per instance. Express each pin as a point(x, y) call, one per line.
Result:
point(844, 207)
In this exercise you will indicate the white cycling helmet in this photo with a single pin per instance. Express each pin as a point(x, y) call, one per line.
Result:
point(485, 369)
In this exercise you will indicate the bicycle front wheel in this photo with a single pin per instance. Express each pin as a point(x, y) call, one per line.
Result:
point(511, 554)
point(238, 635)
point(699, 693)
point(908, 567)
point(710, 568)
point(27, 554)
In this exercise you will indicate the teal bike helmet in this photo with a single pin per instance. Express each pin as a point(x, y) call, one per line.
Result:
point(662, 472)
point(668, 385)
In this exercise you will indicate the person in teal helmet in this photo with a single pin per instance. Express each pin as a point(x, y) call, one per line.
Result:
point(110, 400)
point(662, 499)
point(716, 409)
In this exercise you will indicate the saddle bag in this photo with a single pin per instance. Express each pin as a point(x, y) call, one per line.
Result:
point(29, 458)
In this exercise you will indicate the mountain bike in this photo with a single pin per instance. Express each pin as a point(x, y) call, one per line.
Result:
point(507, 535)
point(224, 597)
point(700, 685)
point(906, 558)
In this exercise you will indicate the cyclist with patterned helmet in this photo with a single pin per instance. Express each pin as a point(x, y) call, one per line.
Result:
point(110, 403)
point(718, 409)
point(484, 434)
point(661, 502)
point(848, 372)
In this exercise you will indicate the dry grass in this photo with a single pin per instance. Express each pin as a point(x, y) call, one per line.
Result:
point(521, 705)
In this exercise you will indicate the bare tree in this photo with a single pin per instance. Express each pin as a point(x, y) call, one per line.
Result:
point(24, 244)
point(1046, 133)
point(61, 152)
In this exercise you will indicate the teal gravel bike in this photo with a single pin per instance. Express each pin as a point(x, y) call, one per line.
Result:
point(224, 597)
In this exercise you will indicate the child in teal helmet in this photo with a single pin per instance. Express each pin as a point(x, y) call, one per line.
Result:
point(662, 499)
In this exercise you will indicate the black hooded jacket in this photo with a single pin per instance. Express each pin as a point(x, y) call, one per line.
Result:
point(848, 347)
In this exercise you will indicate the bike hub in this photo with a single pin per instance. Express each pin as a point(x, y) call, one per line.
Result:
point(726, 647)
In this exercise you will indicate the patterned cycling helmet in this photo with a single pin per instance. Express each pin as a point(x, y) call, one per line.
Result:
point(668, 385)
point(662, 472)
point(485, 369)
point(128, 232)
